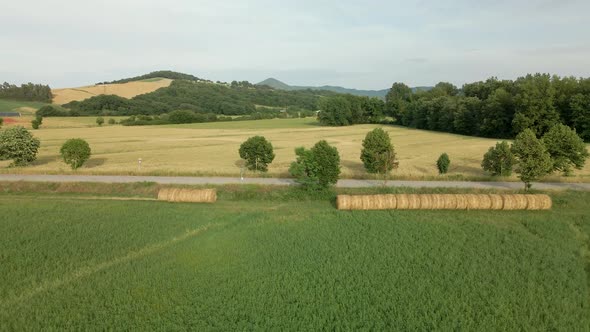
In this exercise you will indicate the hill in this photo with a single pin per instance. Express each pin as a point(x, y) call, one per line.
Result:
point(276, 84)
point(172, 75)
point(126, 90)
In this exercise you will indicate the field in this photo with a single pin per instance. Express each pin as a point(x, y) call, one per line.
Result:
point(24, 107)
point(274, 260)
point(127, 90)
point(212, 148)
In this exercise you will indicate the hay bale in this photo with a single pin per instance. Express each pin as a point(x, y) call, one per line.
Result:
point(478, 202)
point(449, 202)
point(387, 202)
point(366, 202)
point(402, 201)
point(538, 202)
point(497, 202)
point(187, 195)
point(438, 201)
point(515, 202)
point(462, 203)
point(413, 202)
point(343, 202)
point(426, 202)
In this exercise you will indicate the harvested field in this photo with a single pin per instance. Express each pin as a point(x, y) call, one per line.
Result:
point(127, 90)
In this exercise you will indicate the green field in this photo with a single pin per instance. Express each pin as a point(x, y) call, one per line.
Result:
point(24, 107)
point(274, 260)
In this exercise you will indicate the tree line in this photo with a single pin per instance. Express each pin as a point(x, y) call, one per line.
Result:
point(26, 92)
point(198, 97)
point(156, 74)
point(495, 108)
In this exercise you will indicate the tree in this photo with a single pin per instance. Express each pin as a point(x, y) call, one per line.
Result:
point(580, 117)
point(533, 159)
point(317, 168)
point(499, 160)
point(99, 121)
point(335, 111)
point(378, 154)
point(75, 152)
point(35, 123)
point(397, 100)
point(112, 121)
point(17, 144)
point(443, 163)
point(535, 107)
point(257, 152)
point(566, 148)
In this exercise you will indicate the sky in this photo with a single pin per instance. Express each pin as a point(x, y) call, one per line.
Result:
point(357, 44)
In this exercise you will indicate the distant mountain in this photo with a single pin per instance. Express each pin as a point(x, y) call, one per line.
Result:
point(156, 75)
point(276, 84)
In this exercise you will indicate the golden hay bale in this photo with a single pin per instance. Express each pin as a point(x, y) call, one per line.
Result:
point(538, 202)
point(438, 201)
point(515, 202)
point(188, 195)
point(449, 201)
point(462, 203)
point(343, 202)
point(385, 202)
point(402, 201)
point(478, 202)
point(497, 202)
point(413, 202)
point(426, 202)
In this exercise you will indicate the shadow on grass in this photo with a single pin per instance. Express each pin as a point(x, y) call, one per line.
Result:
point(95, 162)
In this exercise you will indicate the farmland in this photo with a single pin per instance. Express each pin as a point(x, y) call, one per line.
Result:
point(212, 148)
point(276, 259)
point(127, 90)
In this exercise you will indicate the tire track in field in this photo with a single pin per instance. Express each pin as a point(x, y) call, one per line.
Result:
point(90, 270)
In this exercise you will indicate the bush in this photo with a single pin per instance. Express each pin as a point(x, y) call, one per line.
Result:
point(75, 152)
point(17, 144)
point(499, 160)
point(112, 121)
point(566, 148)
point(317, 168)
point(50, 111)
point(378, 154)
point(443, 163)
point(1, 122)
point(533, 159)
point(99, 121)
point(181, 117)
point(257, 152)
point(35, 123)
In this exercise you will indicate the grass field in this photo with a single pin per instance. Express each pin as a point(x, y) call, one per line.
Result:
point(272, 260)
point(24, 107)
point(212, 148)
point(127, 90)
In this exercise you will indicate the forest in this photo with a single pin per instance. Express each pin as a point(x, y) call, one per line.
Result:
point(200, 97)
point(26, 92)
point(495, 108)
point(157, 74)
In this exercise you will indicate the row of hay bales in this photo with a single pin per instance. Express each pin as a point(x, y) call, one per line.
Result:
point(444, 202)
point(187, 195)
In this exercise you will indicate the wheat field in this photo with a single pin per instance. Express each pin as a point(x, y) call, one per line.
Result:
point(212, 148)
point(127, 90)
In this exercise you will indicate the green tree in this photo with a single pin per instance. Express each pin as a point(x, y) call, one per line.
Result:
point(443, 163)
point(99, 121)
point(534, 104)
point(17, 144)
point(397, 100)
point(257, 152)
point(35, 123)
point(533, 159)
point(580, 115)
point(112, 121)
point(378, 154)
point(499, 160)
point(335, 111)
point(75, 152)
point(317, 168)
point(566, 148)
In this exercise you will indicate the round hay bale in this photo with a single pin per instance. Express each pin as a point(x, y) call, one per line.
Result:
point(538, 202)
point(515, 202)
point(438, 201)
point(367, 202)
point(384, 202)
point(478, 202)
point(413, 202)
point(343, 202)
point(402, 202)
point(426, 202)
point(449, 201)
point(497, 202)
point(188, 195)
point(462, 203)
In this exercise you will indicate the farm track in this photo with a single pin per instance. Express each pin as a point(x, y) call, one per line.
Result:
point(345, 183)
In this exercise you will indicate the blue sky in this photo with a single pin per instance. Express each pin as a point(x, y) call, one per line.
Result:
point(358, 44)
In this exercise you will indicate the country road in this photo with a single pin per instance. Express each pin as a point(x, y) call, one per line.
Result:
point(346, 183)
